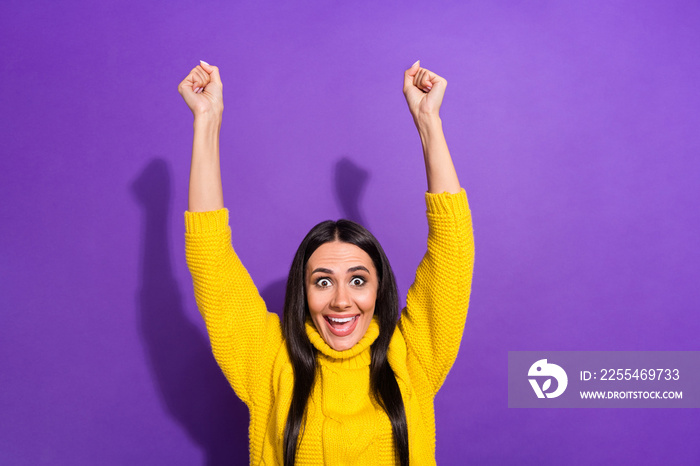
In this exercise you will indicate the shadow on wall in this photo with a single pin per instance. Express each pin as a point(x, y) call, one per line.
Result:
point(350, 184)
point(191, 385)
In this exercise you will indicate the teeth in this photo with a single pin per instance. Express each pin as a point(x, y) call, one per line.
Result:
point(340, 321)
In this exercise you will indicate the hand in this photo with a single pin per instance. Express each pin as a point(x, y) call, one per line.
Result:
point(202, 91)
point(424, 91)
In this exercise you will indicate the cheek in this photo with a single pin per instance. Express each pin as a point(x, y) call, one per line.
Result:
point(315, 302)
point(367, 300)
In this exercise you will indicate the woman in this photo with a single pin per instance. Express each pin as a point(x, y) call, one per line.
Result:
point(341, 382)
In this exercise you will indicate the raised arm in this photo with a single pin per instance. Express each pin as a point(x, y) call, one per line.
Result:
point(244, 336)
point(436, 308)
point(203, 92)
point(424, 91)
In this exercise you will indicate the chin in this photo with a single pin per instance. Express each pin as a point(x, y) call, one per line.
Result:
point(342, 345)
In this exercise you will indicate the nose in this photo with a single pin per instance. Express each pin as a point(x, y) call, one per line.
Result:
point(341, 298)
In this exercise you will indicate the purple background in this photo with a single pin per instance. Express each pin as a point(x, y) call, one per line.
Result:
point(574, 129)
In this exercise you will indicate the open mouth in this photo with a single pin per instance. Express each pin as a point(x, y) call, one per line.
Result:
point(342, 326)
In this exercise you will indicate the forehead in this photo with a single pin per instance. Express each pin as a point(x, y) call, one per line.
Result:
point(339, 256)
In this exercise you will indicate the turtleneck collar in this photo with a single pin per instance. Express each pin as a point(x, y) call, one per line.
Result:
point(359, 354)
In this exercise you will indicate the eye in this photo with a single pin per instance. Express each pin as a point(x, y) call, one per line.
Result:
point(323, 282)
point(357, 281)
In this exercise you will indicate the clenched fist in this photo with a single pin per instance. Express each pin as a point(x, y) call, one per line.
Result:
point(203, 91)
point(424, 91)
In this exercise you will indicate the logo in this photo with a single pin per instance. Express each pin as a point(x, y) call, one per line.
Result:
point(543, 369)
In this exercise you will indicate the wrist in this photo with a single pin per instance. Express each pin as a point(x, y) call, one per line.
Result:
point(207, 121)
point(206, 138)
point(428, 125)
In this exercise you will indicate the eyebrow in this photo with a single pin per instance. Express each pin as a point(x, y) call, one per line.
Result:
point(330, 272)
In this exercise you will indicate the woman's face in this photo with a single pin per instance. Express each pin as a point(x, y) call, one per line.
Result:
point(341, 290)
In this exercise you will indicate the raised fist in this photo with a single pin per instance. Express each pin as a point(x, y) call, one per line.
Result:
point(423, 90)
point(202, 91)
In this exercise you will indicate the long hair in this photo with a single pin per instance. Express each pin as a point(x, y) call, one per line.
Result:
point(302, 353)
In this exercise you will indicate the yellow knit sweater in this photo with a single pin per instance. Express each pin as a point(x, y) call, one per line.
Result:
point(343, 423)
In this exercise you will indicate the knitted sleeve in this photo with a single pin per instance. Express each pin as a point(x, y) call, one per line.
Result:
point(436, 307)
point(244, 336)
